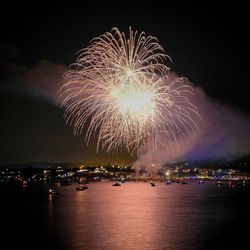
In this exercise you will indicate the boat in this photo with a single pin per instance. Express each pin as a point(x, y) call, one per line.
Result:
point(168, 182)
point(117, 184)
point(152, 184)
point(81, 188)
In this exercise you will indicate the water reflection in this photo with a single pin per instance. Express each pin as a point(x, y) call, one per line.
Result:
point(133, 216)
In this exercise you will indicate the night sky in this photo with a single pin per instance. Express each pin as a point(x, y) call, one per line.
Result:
point(207, 43)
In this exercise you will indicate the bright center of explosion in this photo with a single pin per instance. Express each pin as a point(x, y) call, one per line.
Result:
point(133, 101)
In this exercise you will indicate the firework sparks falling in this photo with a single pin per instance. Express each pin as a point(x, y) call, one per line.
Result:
point(121, 88)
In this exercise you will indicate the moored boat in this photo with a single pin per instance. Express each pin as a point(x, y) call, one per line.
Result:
point(81, 188)
point(168, 182)
point(152, 184)
point(117, 184)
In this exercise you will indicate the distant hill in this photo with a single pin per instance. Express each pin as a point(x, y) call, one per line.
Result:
point(41, 165)
point(242, 162)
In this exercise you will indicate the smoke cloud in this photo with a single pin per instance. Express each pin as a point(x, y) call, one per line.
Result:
point(44, 80)
point(40, 81)
point(223, 133)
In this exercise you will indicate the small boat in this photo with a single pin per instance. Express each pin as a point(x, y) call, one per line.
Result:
point(117, 184)
point(168, 182)
point(152, 184)
point(81, 188)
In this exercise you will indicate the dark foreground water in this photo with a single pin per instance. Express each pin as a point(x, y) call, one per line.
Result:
point(133, 216)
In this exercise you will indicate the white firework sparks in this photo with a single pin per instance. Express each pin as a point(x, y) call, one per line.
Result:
point(120, 89)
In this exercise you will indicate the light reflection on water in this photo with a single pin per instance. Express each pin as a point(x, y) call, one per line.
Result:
point(136, 216)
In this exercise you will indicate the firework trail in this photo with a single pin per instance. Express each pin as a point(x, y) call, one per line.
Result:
point(120, 89)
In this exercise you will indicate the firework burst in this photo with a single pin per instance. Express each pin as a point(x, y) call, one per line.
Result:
point(120, 89)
